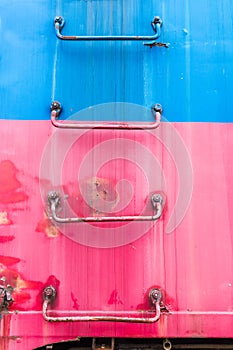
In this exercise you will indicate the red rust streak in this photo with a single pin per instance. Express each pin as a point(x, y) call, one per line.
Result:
point(5, 332)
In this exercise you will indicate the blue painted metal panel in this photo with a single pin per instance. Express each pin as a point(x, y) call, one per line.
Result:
point(192, 79)
point(26, 56)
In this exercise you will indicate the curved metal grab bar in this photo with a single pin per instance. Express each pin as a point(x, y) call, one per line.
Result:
point(56, 110)
point(155, 296)
point(54, 202)
point(156, 24)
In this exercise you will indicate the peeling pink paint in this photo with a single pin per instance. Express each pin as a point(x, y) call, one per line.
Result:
point(4, 218)
point(10, 187)
point(47, 227)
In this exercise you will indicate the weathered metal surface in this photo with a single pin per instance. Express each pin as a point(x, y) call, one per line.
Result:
point(6, 298)
point(154, 296)
point(188, 253)
point(56, 110)
point(156, 24)
point(54, 200)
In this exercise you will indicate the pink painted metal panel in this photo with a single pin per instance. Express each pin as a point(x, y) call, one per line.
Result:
point(192, 264)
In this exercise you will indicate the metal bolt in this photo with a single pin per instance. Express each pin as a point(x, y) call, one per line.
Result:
point(167, 345)
point(8, 294)
point(6, 291)
point(53, 196)
point(57, 107)
point(155, 296)
point(157, 19)
point(157, 107)
point(155, 199)
point(60, 20)
point(49, 293)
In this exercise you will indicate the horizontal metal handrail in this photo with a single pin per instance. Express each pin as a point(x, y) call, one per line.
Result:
point(56, 110)
point(155, 296)
point(54, 202)
point(156, 24)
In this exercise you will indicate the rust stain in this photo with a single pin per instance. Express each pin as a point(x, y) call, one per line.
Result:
point(9, 184)
point(46, 226)
point(93, 196)
point(100, 196)
point(4, 219)
point(100, 189)
point(5, 332)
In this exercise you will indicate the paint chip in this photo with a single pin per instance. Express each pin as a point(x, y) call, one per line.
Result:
point(4, 219)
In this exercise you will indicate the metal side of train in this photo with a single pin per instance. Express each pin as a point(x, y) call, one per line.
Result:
point(116, 174)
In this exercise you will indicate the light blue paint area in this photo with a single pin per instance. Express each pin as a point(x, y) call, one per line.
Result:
point(192, 79)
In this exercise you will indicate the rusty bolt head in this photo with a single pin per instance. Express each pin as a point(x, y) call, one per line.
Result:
point(49, 293)
point(157, 108)
point(53, 197)
point(167, 345)
point(60, 20)
point(55, 105)
point(155, 296)
point(9, 288)
point(157, 19)
point(156, 198)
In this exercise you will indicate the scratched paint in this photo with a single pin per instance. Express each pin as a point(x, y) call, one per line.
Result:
point(5, 221)
point(47, 227)
point(4, 218)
